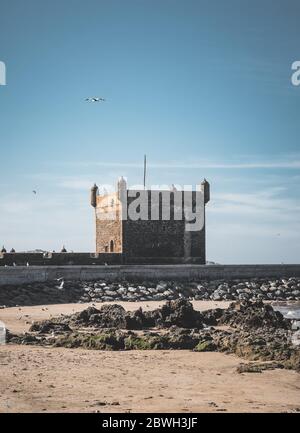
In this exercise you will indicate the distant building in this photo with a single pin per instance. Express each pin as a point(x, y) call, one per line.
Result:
point(160, 234)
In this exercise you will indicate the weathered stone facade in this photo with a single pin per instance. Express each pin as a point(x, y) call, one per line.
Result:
point(157, 230)
point(109, 231)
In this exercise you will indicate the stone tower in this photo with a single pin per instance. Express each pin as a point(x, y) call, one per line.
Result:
point(151, 226)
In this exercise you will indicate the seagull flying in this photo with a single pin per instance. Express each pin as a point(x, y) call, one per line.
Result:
point(34, 191)
point(95, 99)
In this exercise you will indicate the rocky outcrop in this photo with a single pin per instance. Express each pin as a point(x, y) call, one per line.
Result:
point(253, 331)
point(247, 314)
point(178, 313)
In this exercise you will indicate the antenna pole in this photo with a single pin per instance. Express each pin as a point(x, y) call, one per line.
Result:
point(145, 171)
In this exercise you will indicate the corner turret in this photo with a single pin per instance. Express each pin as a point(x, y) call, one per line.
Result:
point(122, 189)
point(205, 188)
point(94, 193)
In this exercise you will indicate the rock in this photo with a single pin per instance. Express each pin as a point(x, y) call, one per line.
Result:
point(109, 316)
point(218, 295)
point(205, 346)
point(48, 326)
point(258, 367)
point(132, 289)
point(122, 291)
point(211, 317)
point(161, 287)
point(107, 298)
point(110, 293)
point(253, 315)
point(179, 312)
point(157, 297)
point(98, 290)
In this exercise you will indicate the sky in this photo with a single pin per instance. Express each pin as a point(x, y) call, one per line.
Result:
point(202, 87)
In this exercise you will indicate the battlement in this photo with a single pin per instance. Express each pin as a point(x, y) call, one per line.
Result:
point(57, 259)
point(80, 259)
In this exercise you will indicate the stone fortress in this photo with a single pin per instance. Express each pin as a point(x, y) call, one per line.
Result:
point(158, 233)
point(160, 238)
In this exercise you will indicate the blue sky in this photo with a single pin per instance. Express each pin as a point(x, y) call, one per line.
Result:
point(202, 87)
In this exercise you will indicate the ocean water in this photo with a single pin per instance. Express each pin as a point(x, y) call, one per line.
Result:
point(291, 311)
point(2, 333)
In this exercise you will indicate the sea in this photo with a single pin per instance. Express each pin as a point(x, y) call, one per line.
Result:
point(291, 310)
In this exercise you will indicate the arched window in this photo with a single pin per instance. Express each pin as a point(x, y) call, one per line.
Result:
point(111, 246)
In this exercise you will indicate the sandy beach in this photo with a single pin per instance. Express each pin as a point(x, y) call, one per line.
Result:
point(35, 379)
point(42, 379)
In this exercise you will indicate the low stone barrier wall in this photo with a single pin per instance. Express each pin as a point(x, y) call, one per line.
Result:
point(12, 275)
point(60, 259)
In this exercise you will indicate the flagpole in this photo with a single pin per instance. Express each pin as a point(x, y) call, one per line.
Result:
point(144, 171)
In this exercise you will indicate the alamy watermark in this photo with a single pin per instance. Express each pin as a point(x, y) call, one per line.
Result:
point(2, 73)
point(154, 204)
point(295, 78)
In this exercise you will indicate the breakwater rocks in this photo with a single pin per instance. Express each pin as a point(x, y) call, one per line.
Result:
point(254, 331)
point(59, 291)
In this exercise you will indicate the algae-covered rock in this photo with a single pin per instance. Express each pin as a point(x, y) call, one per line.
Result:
point(206, 346)
point(103, 341)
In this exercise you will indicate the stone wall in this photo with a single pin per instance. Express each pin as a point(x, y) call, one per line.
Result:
point(22, 274)
point(65, 259)
point(59, 259)
point(163, 237)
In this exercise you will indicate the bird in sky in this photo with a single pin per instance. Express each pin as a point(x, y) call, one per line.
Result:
point(95, 99)
point(34, 191)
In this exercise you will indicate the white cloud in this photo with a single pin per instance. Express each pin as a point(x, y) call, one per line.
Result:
point(291, 162)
